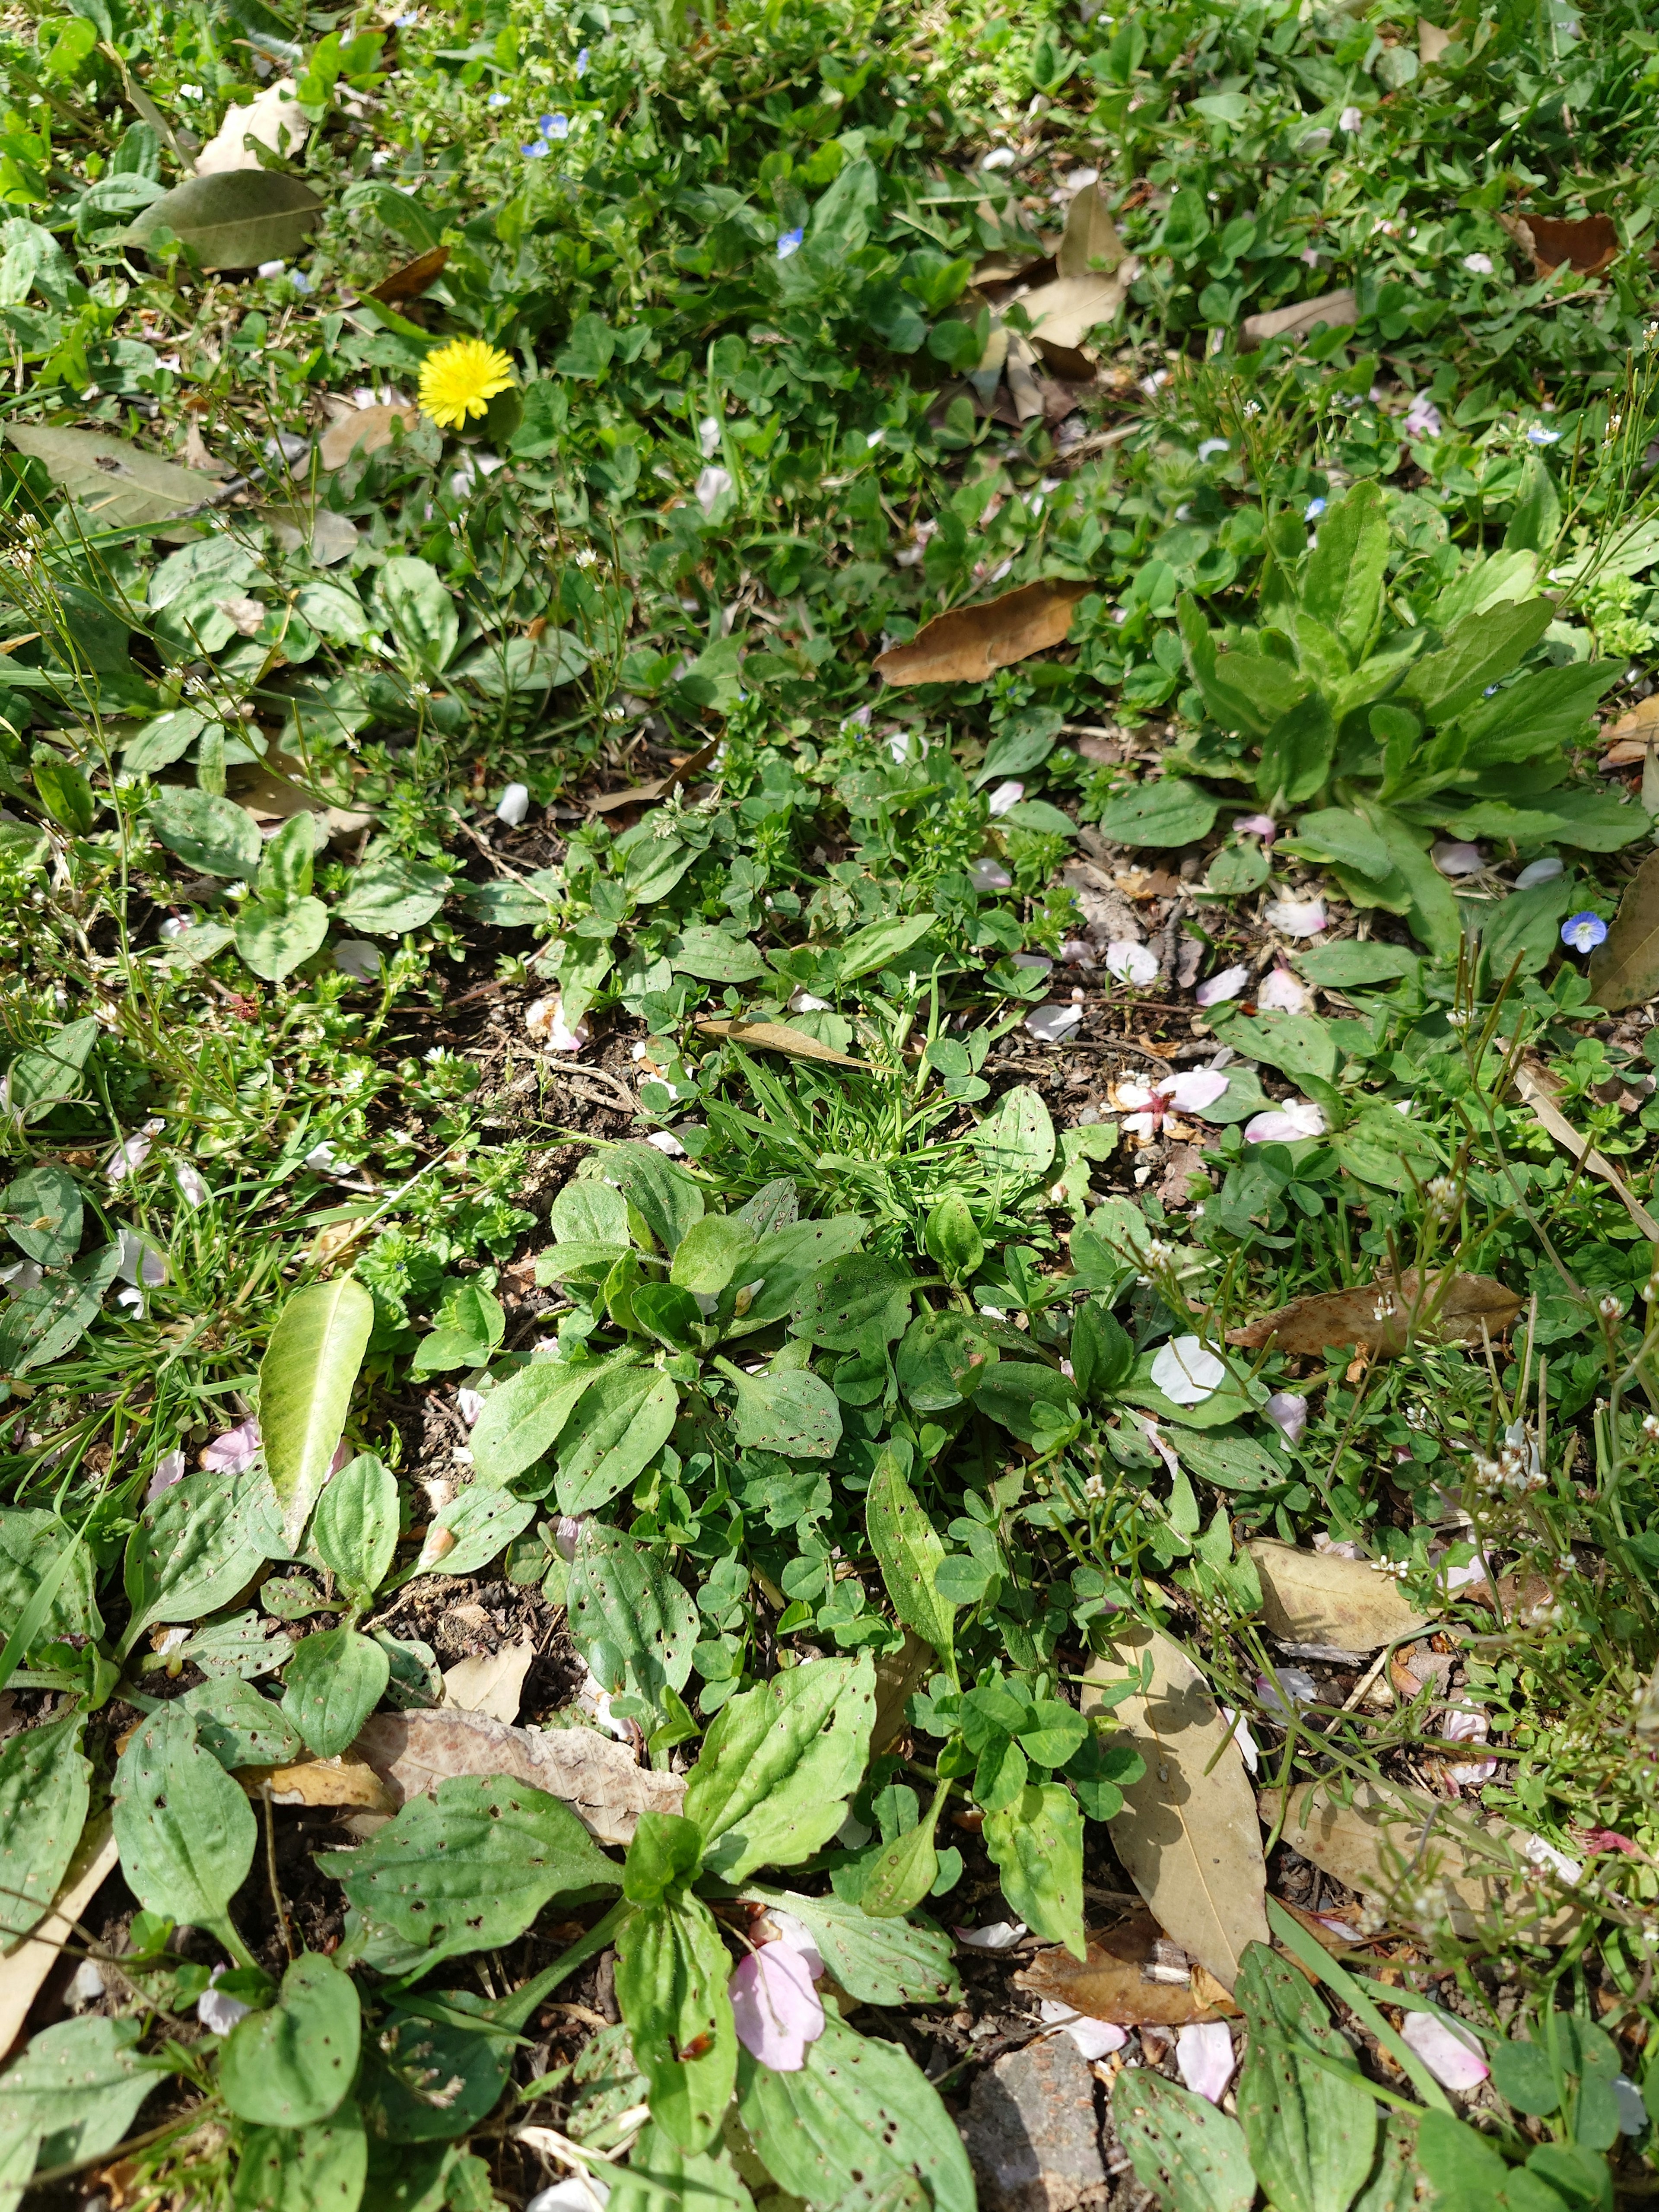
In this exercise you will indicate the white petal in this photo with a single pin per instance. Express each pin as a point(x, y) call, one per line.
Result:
point(1198, 1088)
point(1000, 1935)
point(1005, 796)
point(513, 805)
point(1053, 1024)
point(1284, 993)
point(1227, 985)
point(1204, 2052)
point(1451, 2054)
point(1130, 962)
point(1184, 1369)
point(1296, 917)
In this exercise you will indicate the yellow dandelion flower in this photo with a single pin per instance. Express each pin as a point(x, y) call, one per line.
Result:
point(460, 379)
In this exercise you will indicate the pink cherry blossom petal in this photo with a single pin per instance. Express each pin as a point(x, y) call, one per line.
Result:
point(1256, 825)
point(169, 1469)
point(776, 2010)
point(230, 1453)
point(1095, 2039)
point(1289, 1124)
point(1204, 2052)
point(1451, 2053)
point(1130, 961)
point(1053, 1024)
point(1227, 985)
point(1288, 1410)
point(1198, 1088)
point(1284, 993)
point(1296, 917)
point(1455, 860)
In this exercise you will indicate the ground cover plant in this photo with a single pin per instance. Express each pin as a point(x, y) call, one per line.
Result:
point(827, 1360)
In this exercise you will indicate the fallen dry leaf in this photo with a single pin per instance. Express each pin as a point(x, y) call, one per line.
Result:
point(596, 1777)
point(1337, 309)
point(414, 277)
point(779, 1037)
point(364, 430)
point(492, 1685)
point(1090, 244)
point(643, 794)
point(273, 790)
point(1319, 1598)
point(898, 1676)
point(275, 120)
point(1063, 313)
point(1019, 374)
point(969, 644)
point(1628, 740)
point(24, 1970)
point(343, 1780)
point(1386, 1316)
point(1586, 245)
point(1635, 958)
point(303, 525)
point(1396, 1843)
point(1113, 1982)
point(1187, 1834)
point(1431, 41)
point(1318, 1927)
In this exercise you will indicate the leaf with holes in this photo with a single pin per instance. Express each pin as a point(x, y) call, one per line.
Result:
point(634, 1624)
point(76, 2089)
point(1016, 1137)
point(857, 2119)
point(795, 1412)
point(238, 1726)
point(1312, 2136)
point(42, 1324)
point(186, 1832)
point(779, 1764)
point(616, 1429)
point(408, 2056)
point(294, 2063)
point(465, 1870)
point(1037, 1844)
point(1191, 2156)
point(355, 1528)
point(321, 2168)
point(882, 1962)
point(305, 1382)
point(335, 1680)
point(43, 1796)
point(909, 1553)
point(197, 1546)
point(672, 1974)
point(43, 1213)
point(473, 1529)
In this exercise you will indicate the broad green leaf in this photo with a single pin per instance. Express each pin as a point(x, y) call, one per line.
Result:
point(661, 2177)
point(1342, 584)
point(77, 2087)
point(666, 1198)
point(476, 1526)
point(43, 1073)
point(882, 1962)
point(881, 944)
point(118, 484)
point(665, 1853)
point(616, 1429)
point(42, 1212)
point(241, 1726)
point(711, 1253)
point(856, 1303)
point(43, 1796)
point(1169, 813)
point(388, 897)
point(778, 1764)
point(355, 1527)
point(411, 597)
point(909, 1553)
point(942, 1360)
point(43, 1323)
point(522, 1417)
point(1524, 2075)
point(334, 1681)
point(1016, 1137)
point(186, 1832)
point(214, 834)
point(588, 1211)
point(1353, 966)
point(786, 1258)
point(276, 940)
point(672, 1973)
point(306, 1380)
point(718, 955)
point(234, 218)
point(1312, 2136)
point(1029, 1398)
point(632, 1621)
point(1477, 651)
point(793, 1411)
point(408, 2056)
point(32, 1543)
point(294, 2063)
point(1037, 1844)
point(195, 1545)
point(1432, 910)
point(858, 2116)
point(1332, 833)
point(321, 2168)
point(903, 1871)
point(1537, 715)
point(1596, 821)
point(1190, 2156)
point(1296, 1044)
point(465, 1870)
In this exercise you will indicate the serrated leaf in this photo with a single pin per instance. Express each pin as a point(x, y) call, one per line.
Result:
point(186, 1832)
point(671, 1975)
point(334, 1681)
point(44, 1797)
point(779, 1764)
point(117, 484)
point(465, 1870)
point(305, 1382)
point(294, 2063)
point(234, 218)
point(909, 1554)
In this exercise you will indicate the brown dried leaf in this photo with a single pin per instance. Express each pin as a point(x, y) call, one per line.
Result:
point(1636, 960)
point(413, 278)
point(596, 1778)
point(1112, 1984)
point(1398, 1843)
point(1063, 312)
point(1317, 1597)
point(24, 1970)
point(643, 794)
point(1632, 734)
point(1187, 1834)
point(365, 430)
point(492, 1685)
point(1586, 245)
point(898, 1676)
point(1023, 388)
point(1386, 1316)
point(1337, 309)
point(779, 1037)
point(969, 644)
point(275, 119)
point(1431, 41)
point(344, 1779)
point(1624, 969)
point(1090, 245)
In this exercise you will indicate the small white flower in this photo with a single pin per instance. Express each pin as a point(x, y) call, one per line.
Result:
point(271, 268)
point(1478, 264)
point(709, 435)
point(712, 487)
point(513, 805)
point(219, 2014)
point(1002, 157)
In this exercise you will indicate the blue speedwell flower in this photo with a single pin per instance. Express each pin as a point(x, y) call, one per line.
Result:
point(536, 150)
point(555, 126)
point(498, 100)
point(1583, 931)
point(789, 242)
point(1313, 510)
point(581, 62)
point(1537, 435)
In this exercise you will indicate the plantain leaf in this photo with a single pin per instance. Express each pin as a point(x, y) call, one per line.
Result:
point(186, 1831)
point(306, 1380)
point(294, 2063)
point(779, 1764)
point(909, 1553)
point(44, 1795)
point(234, 218)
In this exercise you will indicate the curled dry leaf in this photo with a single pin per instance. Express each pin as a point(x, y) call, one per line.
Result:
point(413, 278)
point(413, 1753)
point(275, 120)
point(1628, 740)
point(1396, 1843)
point(1586, 245)
point(363, 431)
point(1113, 1982)
point(898, 1677)
point(1337, 309)
point(1539, 1088)
point(1092, 274)
point(1624, 969)
point(1431, 41)
point(643, 794)
point(24, 1970)
point(1187, 1834)
point(492, 1685)
point(970, 644)
point(343, 1780)
point(779, 1037)
point(1317, 1597)
point(1386, 1315)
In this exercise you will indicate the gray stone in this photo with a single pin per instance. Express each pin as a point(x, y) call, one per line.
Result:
point(1031, 2133)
